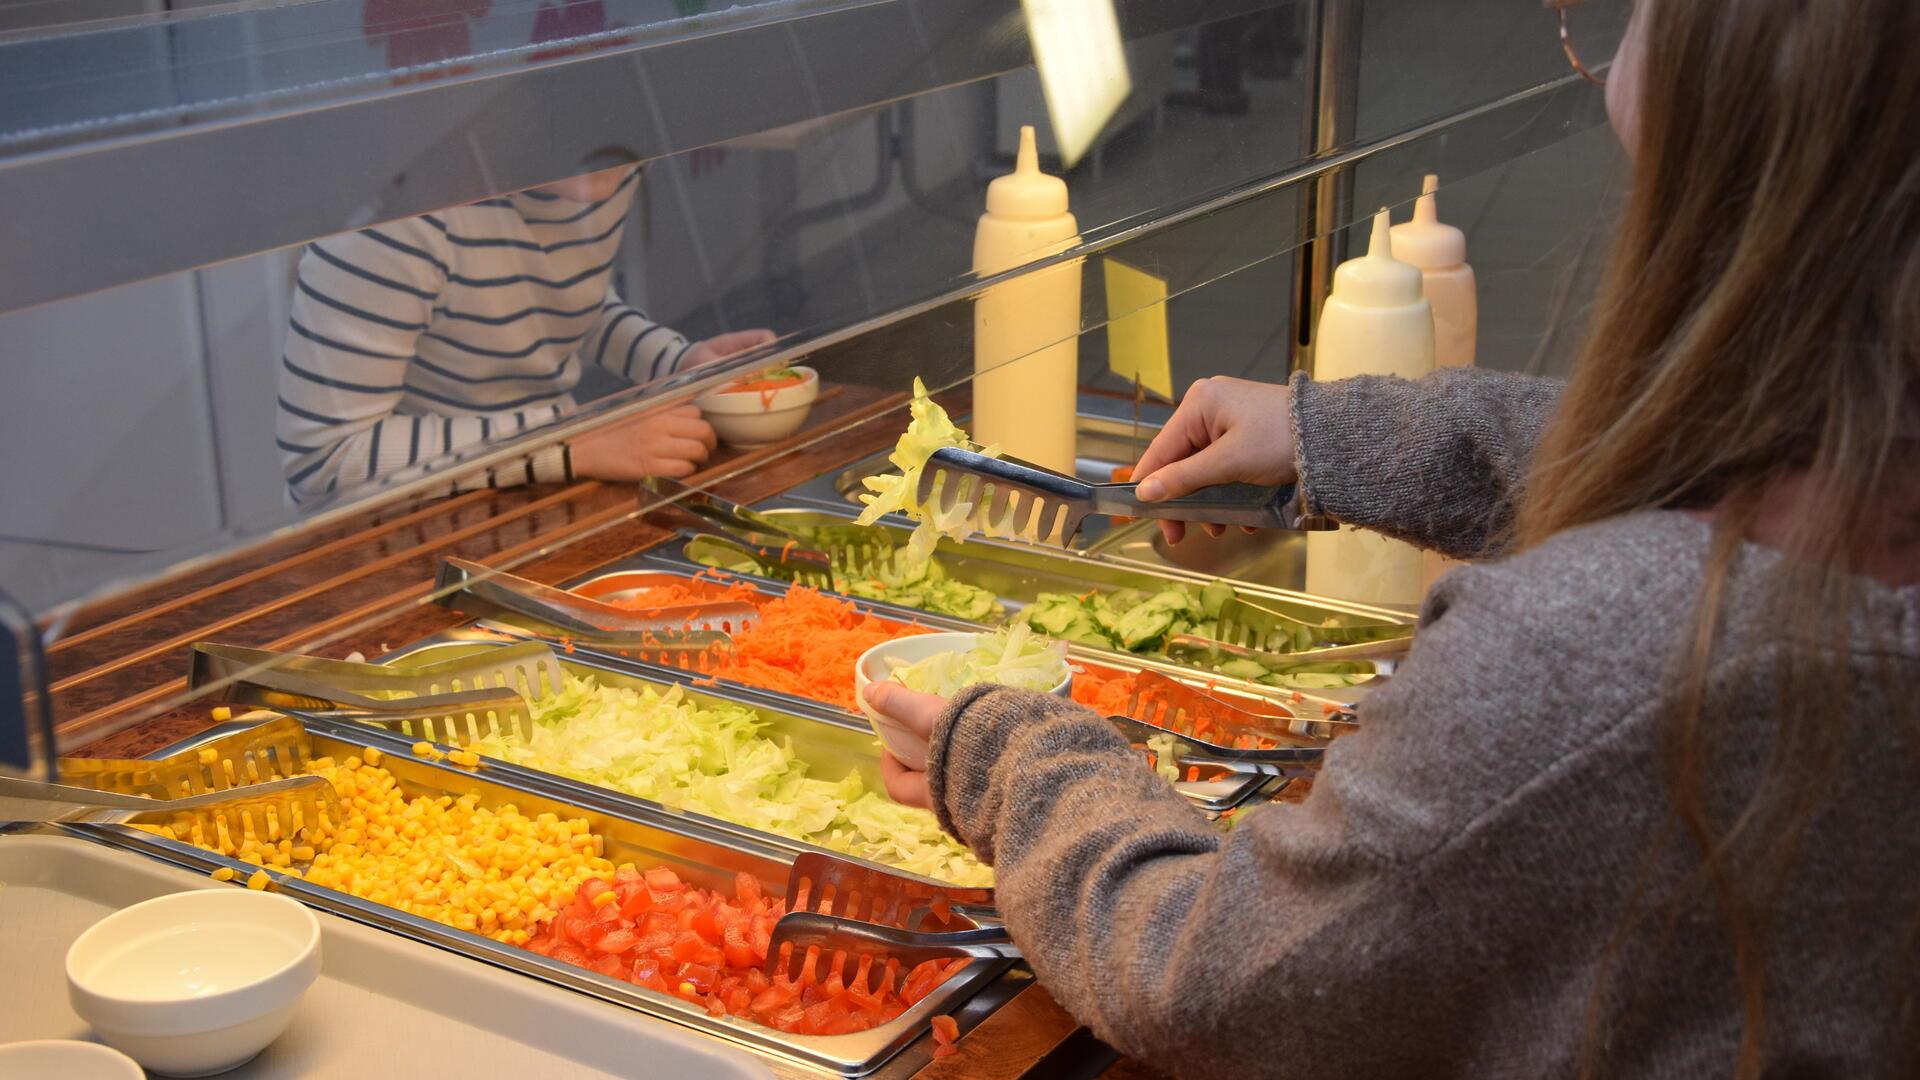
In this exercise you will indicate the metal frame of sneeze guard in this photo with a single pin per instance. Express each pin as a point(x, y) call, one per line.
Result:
point(27, 747)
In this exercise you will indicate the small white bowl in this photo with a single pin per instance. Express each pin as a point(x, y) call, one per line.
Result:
point(68, 1059)
point(879, 662)
point(195, 983)
point(751, 418)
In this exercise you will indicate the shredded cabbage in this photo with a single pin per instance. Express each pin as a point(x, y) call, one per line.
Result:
point(714, 760)
point(1017, 657)
point(928, 429)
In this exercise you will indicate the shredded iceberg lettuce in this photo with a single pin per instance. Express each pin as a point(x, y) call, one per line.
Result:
point(928, 429)
point(716, 760)
point(1017, 657)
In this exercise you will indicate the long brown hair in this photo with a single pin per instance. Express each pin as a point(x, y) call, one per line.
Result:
point(1758, 331)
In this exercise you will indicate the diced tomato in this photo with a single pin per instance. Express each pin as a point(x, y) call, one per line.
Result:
point(739, 951)
point(941, 1050)
point(709, 949)
point(617, 941)
point(706, 926)
point(704, 977)
point(746, 887)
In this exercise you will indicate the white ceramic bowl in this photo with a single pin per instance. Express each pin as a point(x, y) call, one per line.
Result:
point(880, 661)
point(750, 418)
point(197, 982)
point(68, 1059)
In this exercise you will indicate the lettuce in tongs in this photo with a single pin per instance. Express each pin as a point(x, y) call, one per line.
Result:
point(928, 430)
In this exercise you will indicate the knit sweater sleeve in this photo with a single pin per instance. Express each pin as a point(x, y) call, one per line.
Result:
point(1439, 462)
point(1312, 932)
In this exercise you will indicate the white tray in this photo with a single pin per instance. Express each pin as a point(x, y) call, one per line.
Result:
point(384, 1006)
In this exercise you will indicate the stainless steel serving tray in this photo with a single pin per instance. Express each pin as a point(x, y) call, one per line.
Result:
point(700, 853)
point(1019, 573)
point(831, 743)
point(626, 578)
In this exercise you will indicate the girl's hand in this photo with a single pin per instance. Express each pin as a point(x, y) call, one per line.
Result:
point(917, 712)
point(721, 346)
point(671, 443)
point(1225, 431)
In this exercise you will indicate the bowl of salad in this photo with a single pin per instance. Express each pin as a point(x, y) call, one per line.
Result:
point(762, 408)
point(945, 664)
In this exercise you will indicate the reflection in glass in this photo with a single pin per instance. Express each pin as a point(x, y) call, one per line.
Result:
point(433, 336)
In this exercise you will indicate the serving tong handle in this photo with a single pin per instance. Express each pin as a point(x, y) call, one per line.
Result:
point(1383, 655)
point(294, 802)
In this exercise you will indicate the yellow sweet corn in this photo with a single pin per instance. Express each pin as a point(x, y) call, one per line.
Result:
point(224, 873)
point(208, 755)
point(221, 714)
point(373, 756)
point(258, 880)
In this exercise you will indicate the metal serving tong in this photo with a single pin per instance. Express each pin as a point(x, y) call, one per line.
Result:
point(455, 701)
point(662, 635)
point(1173, 706)
point(251, 778)
point(840, 907)
point(1249, 630)
point(855, 540)
point(809, 554)
point(1012, 498)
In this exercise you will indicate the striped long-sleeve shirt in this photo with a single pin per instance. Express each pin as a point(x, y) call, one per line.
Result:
point(425, 337)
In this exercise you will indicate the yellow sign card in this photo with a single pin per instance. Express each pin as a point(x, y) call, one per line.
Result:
point(1137, 327)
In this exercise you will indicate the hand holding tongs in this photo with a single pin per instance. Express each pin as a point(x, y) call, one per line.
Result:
point(1012, 498)
point(839, 906)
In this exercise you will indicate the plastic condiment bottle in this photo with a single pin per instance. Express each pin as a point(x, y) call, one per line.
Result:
point(1375, 322)
point(1440, 251)
point(1026, 346)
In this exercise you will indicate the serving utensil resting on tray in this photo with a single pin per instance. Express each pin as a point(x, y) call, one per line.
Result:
point(838, 906)
point(662, 635)
point(847, 549)
point(249, 779)
point(455, 701)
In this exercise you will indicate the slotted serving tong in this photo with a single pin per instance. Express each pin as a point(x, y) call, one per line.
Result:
point(662, 635)
point(847, 549)
point(1220, 738)
point(456, 701)
point(252, 778)
point(1012, 498)
point(871, 917)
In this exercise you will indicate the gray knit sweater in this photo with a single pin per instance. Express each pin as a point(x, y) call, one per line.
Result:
point(1439, 905)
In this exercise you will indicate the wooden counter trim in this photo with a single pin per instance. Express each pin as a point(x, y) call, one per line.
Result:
point(264, 571)
point(310, 592)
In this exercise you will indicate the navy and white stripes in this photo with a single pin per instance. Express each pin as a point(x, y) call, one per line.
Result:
point(433, 335)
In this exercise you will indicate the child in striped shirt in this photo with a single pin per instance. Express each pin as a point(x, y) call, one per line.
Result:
point(440, 333)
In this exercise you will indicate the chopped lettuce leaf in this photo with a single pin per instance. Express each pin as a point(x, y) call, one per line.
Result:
point(1017, 657)
point(715, 759)
point(928, 429)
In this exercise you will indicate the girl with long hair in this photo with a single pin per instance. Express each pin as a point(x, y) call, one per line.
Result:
point(1644, 800)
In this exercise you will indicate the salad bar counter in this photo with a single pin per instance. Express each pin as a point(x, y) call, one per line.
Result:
point(621, 820)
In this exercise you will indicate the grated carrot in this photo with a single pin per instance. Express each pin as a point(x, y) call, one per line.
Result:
point(804, 643)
